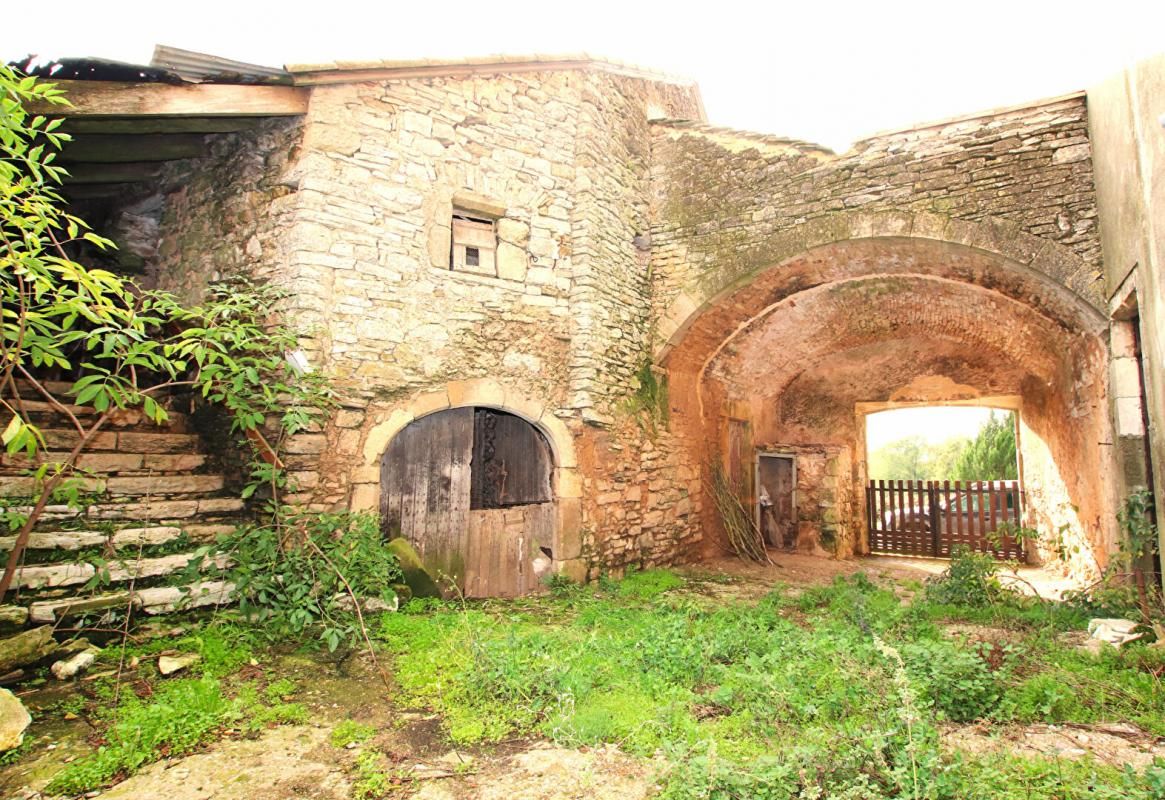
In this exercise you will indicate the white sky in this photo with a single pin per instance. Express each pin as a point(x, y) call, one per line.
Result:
point(934, 423)
point(829, 72)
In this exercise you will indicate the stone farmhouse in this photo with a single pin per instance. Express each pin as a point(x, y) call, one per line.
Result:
point(555, 298)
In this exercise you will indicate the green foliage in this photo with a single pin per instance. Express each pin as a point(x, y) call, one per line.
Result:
point(959, 682)
point(1136, 522)
point(1117, 594)
point(838, 691)
point(125, 346)
point(644, 585)
point(296, 577)
point(649, 402)
point(372, 781)
point(351, 732)
point(913, 458)
point(181, 716)
point(991, 455)
point(971, 579)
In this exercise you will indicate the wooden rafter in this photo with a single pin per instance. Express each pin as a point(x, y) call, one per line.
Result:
point(118, 99)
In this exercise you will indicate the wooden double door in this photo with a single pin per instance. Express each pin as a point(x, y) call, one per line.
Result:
point(470, 489)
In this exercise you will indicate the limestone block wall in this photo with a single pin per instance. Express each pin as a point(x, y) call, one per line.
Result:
point(560, 159)
point(724, 200)
point(611, 292)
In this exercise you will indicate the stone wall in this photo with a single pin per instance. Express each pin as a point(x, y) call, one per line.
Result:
point(958, 260)
point(607, 218)
point(722, 197)
point(225, 215)
point(1130, 183)
point(560, 159)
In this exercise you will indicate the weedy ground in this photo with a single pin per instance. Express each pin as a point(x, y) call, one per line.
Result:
point(861, 687)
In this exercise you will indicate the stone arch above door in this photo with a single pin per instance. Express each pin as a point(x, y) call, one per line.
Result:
point(1026, 258)
point(387, 422)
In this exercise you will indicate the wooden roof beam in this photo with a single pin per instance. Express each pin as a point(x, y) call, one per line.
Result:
point(111, 173)
point(147, 147)
point(119, 99)
point(150, 125)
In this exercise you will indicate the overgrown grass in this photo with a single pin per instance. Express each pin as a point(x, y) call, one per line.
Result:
point(178, 715)
point(783, 698)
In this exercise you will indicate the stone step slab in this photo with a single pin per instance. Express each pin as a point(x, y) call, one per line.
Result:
point(52, 576)
point(63, 439)
point(131, 486)
point(141, 511)
point(111, 463)
point(77, 540)
point(155, 600)
point(43, 413)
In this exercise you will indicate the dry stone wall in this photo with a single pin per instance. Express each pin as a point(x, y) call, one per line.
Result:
point(722, 197)
point(225, 215)
point(561, 161)
point(604, 214)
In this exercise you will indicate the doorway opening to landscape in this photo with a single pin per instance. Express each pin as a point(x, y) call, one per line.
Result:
point(941, 478)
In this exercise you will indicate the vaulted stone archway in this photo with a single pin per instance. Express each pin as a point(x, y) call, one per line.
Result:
point(780, 359)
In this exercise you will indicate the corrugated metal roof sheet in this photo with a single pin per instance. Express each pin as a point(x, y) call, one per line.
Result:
point(202, 67)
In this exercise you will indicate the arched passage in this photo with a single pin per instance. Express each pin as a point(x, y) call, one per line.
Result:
point(779, 363)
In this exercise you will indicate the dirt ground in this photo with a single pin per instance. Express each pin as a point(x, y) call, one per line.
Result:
point(298, 762)
point(799, 569)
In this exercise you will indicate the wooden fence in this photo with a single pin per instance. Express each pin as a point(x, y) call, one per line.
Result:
point(931, 518)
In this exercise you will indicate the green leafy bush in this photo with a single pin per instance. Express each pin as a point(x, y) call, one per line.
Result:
point(181, 716)
point(971, 579)
point(956, 681)
point(295, 578)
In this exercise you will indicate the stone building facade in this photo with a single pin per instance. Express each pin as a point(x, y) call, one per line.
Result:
point(777, 290)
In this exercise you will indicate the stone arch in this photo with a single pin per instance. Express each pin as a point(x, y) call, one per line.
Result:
point(768, 357)
point(1023, 259)
point(386, 423)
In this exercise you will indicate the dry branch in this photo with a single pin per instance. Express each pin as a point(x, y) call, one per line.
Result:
point(744, 537)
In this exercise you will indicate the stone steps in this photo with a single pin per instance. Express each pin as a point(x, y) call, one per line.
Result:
point(53, 576)
point(207, 507)
point(112, 463)
point(62, 440)
point(168, 486)
point(155, 600)
point(117, 539)
point(42, 413)
point(146, 492)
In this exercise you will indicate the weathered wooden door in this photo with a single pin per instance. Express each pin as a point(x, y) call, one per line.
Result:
point(776, 475)
point(470, 489)
point(425, 486)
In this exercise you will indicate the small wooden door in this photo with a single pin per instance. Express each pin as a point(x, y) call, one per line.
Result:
point(425, 487)
point(776, 476)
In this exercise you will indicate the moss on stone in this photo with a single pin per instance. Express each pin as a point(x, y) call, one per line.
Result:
point(416, 576)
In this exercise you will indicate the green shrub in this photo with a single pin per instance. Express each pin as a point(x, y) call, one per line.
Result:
point(181, 716)
point(971, 579)
point(957, 682)
point(351, 732)
point(295, 578)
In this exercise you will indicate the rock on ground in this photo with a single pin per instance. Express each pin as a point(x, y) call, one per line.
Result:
point(14, 718)
point(284, 763)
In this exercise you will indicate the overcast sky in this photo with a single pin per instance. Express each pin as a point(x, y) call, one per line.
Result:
point(934, 424)
point(829, 72)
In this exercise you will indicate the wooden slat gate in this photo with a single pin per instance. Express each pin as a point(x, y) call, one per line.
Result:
point(931, 518)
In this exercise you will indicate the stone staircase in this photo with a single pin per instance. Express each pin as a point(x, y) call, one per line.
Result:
point(150, 496)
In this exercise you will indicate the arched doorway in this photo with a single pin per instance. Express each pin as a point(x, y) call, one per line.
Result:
point(470, 488)
point(778, 364)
